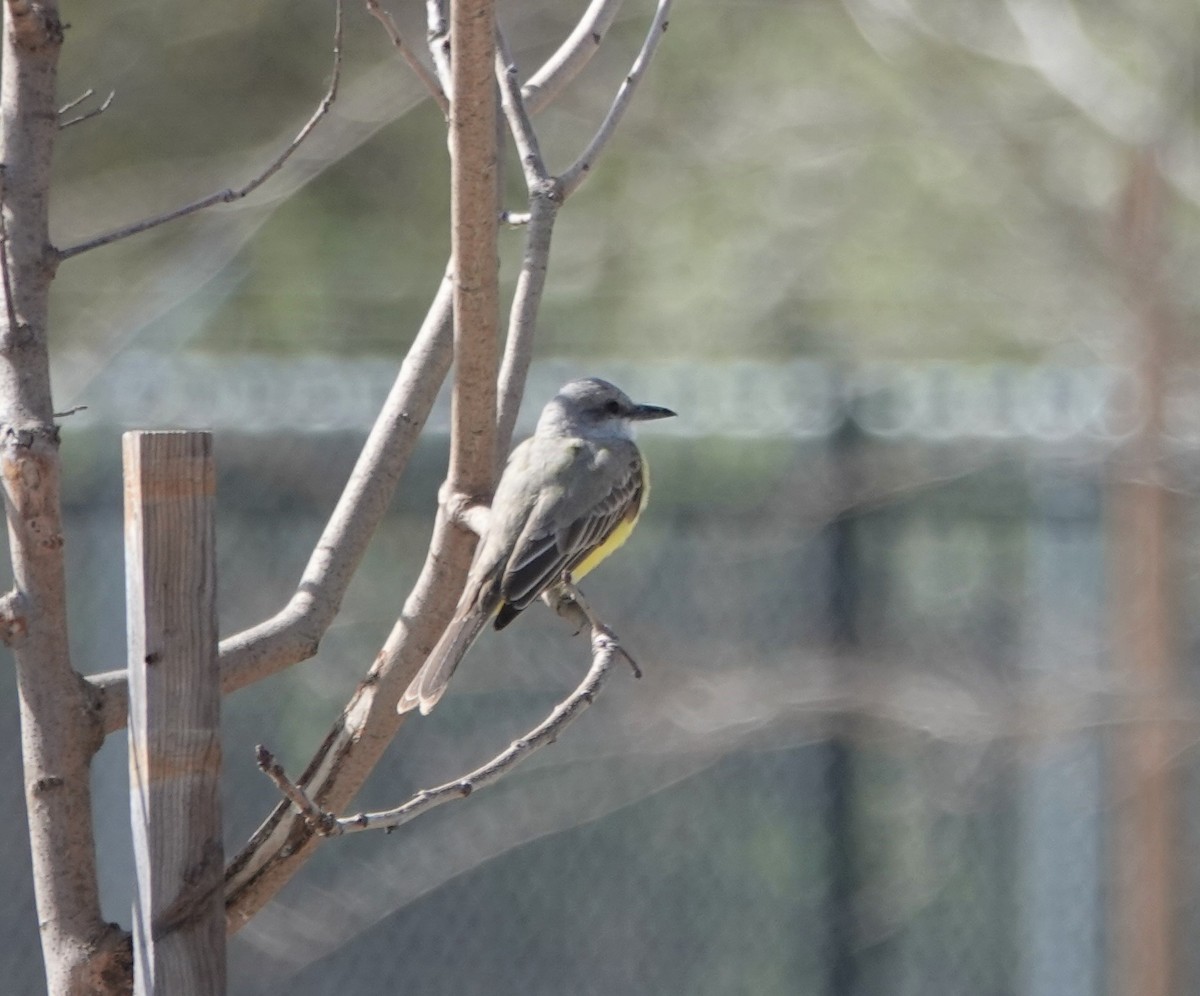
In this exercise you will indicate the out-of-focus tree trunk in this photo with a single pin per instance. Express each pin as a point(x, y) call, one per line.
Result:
point(1141, 519)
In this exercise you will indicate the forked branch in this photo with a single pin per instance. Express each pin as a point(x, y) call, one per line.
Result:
point(86, 115)
point(577, 172)
point(517, 115)
point(368, 722)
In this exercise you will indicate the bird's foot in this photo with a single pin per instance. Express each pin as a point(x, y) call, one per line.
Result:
point(568, 601)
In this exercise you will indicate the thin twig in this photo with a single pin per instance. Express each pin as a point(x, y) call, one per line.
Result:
point(522, 317)
point(544, 202)
point(408, 55)
point(605, 649)
point(95, 112)
point(270, 767)
point(568, 602)
point(513, 103)
point(572, 55)
point(73, 410)
point(230, 194)
point(577, 173)
point(70, 104)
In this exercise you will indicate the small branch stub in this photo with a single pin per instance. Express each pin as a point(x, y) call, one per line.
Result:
point(13, 624)
point(465, 511)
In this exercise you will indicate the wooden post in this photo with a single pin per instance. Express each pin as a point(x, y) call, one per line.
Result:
point(1146, 842)
point(174, 714)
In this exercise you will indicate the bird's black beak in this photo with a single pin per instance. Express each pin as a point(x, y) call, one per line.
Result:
point(648, 413)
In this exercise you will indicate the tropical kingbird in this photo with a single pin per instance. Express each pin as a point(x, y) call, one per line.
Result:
point(570, 494)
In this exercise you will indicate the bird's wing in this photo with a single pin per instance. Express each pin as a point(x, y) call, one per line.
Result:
point(568, 525)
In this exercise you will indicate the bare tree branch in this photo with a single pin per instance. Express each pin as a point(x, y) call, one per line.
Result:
point(546, 196)
point(605, 650)
point(513, 102)
point(408, 55)
point(368, 722)
point(293, 634)
point(358, 738)
point(522, 322)
point(317, 820)
point(544, 202)
point(577, 173)
point(229, 194)
point(572, 56)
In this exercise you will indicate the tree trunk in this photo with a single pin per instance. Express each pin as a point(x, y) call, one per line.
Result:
point(59, 731)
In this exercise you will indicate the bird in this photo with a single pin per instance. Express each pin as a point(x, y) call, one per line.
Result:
point(568, 497)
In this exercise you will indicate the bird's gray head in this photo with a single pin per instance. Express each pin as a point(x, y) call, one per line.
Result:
point(595, 407)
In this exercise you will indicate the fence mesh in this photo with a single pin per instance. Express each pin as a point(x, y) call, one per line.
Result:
point(876, 750)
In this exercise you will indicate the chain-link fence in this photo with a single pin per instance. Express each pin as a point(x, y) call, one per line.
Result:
point(876, 748)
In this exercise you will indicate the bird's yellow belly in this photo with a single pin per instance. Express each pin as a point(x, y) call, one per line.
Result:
point(618, 536)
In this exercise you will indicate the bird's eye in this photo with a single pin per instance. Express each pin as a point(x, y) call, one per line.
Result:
point(613, 407)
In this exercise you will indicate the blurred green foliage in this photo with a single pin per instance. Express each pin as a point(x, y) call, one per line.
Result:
point(784, 184)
